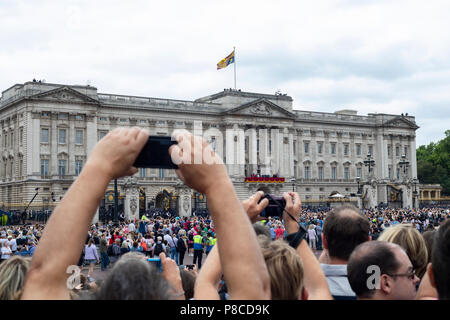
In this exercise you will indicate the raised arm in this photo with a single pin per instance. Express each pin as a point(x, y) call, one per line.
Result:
point(208, 279)
point(112, 157)
point(315, 281)
point(244, 270)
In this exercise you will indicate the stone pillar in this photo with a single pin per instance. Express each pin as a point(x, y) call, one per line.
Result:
point(382, 193)
point(291, 155)
point(253, 161)
point(370, 201)
point(406, 196)
point(412, 157)
point(275, 154)
point(91, 133)
point(131, 205)
point(33, 145)
point(264, 158)
point(96, 216)
point(53, 142)
point(71, 144)
point(184, 201)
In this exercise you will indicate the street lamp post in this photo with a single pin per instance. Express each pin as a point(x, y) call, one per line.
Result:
point(293, 184)
point(369, 162)
point(116, 203)
point(415, 194)
point(358, 180)
point(404, 164)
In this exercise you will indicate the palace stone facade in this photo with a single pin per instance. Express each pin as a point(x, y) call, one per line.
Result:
point(48, 131)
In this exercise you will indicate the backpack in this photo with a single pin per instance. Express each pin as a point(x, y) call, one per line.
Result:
point(109, 250)
point(115, 250)
point(181, 247)
point(158, 249)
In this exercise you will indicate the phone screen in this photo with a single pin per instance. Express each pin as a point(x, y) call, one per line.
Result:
point(155, 154)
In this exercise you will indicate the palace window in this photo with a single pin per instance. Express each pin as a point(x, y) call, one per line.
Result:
point(78, 166)
point(333, 148)
point(347, 173)
point(44, 167)
point(62, 165)
point(142, 172)
point(333, 173)
point(320, 173)
point(307, 173)
point(358, 149)
point(62, 136)
point(345, 149)
point(359, 172)
point(79, 137)
point(306, 147)
point(44, 135)
point(319, 147)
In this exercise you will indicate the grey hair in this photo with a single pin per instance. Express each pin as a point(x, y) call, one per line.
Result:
point(134, 278)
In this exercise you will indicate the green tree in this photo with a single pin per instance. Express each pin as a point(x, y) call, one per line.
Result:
point(433, 163)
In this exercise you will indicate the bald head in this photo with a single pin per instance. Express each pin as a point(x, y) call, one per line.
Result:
point(381, 254)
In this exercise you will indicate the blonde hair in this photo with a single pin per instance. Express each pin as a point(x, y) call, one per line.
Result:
point(12, 277)
point(285, 269)
point(407, 237)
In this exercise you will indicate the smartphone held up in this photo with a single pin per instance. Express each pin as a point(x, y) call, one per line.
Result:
point(155, 154)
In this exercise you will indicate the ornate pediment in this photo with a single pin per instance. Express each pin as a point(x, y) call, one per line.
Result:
point(65, 94)
point(261, 108)
point(400, 122)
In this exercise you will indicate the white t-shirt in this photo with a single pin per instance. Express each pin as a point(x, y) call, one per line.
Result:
point(131, 227)
point(6, 250)
point(312, 233)
point(13, 244)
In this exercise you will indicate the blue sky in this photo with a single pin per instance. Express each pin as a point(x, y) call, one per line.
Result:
point(370, 56)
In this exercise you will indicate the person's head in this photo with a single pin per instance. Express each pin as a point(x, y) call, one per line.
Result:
point(381, 270)
point(407, 237)
point(133, 278)
point(428, 236)
point(90, 242)
point(188, 280)
point(6, 244)
point(12, 277)
point(285, 269)
point(344, 229)
point(439, 269)
point(158, 239)
point(261, 230)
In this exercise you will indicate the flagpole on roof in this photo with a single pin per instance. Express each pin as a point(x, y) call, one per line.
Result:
point(234, 48)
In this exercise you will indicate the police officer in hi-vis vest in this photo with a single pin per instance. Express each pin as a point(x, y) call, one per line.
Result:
point(211, 243)
point(198, 250)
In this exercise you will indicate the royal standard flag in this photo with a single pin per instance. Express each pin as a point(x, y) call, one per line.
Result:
point(226, 61)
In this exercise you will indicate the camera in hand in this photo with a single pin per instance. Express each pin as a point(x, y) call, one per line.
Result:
point(155, 154)
point(275, 208)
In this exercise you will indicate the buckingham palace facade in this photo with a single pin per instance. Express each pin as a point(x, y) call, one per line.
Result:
point(48, 131)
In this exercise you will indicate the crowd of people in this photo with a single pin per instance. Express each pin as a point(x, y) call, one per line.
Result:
point(375, 254)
